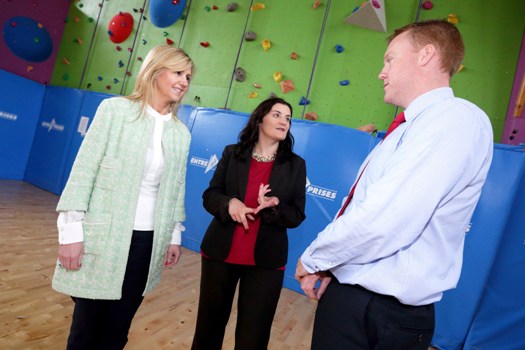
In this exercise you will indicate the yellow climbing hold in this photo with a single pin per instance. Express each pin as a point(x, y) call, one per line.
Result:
point(258, 6)
point(277, 76)
point(253, 94)
point(266, 44)
point(453, 18)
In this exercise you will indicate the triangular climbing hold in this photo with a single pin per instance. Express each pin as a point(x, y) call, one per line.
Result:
point(370, 15)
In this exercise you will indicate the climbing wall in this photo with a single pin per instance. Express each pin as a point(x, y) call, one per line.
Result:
point(334, 74)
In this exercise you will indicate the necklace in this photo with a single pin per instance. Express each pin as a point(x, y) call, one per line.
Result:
point(263, 159)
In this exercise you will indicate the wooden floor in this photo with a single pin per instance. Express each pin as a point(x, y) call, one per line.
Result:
point(33, 316)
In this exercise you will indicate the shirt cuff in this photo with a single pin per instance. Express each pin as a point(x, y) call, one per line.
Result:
point(176, 237)
point(307, 262)
point(70, 228)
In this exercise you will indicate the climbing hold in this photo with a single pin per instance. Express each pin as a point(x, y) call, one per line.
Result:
point(76, 19)
point(115, 80)
point(215, 7)
point(253, 94)
point(128, 73)
point(120, 27)
point(239, 74)
point(207, 8)
point(197, 99)
point(108, 87)
point(303, 101)
point(427, 5)
point(460, 68)
point(287, 86)
point(266, 44)
point(169, 41)
point(311, 116)
point(88, 85)
point(205, 44)
point(144, 42)
point(344, 82)
point(316, 4)
point(118, 48)
point(29, 68)
point(250, 36)
point(65, 77)
point(293, 56)
point(139, 58)
point(65, 60)
point(257, 6)
point(232, 6)
point(26, 40)
point(277, 76)
point(257, 86)
point(99, 78)
point(165, 13)
point(165, 33)
point(376, 4)
point(272, 95)
point(120, 64)
point(339, 48)
point(355, 9)
point(453, 18)
point(79, 40)
point(130, 49)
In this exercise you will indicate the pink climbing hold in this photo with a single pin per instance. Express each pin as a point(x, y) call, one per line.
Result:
point(427, 5)
point(376, 4)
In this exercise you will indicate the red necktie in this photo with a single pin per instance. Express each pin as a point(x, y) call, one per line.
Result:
point(398, 120)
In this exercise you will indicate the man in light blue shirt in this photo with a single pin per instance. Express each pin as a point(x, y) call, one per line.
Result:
point(398, 245)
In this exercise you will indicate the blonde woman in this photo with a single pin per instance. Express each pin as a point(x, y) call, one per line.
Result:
point(120, 212)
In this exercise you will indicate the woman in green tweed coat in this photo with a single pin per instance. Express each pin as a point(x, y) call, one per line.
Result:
point(121, 211)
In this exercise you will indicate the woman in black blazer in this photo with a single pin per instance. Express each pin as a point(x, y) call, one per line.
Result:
point(257, 192)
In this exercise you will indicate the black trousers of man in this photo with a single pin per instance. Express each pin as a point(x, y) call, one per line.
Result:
point(350, 317)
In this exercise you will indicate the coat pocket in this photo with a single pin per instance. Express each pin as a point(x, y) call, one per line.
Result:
point(108, 172)
point(96, 228)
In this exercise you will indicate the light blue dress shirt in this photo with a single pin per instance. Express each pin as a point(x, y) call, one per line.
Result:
point(404, 230)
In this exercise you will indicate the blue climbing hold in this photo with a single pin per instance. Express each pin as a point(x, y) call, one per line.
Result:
point(339, 48)
point(344, 82)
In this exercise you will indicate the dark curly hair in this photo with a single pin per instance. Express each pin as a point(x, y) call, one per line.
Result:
point(249, 136)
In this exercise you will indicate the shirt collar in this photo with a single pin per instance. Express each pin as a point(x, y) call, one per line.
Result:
point(426, 100)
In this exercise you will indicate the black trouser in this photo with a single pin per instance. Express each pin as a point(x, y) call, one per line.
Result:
point(104, 324)
point(352, 318)
point(259, 292)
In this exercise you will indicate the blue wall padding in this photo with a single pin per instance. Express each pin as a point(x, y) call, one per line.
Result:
point(330, 173)
point(88, 108)
point(212, 129)
point(186, 114)
point(20, 104)
point(500, 319)
point(53, 137)
point(459, 306)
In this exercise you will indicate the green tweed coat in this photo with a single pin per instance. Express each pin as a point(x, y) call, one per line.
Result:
point(105, 182)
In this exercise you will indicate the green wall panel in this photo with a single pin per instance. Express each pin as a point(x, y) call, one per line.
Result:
point(223, 31)
point(75, 43)
point(291, 26)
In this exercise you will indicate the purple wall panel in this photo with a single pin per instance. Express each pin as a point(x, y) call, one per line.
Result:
point(51, 14)
point(514, 132)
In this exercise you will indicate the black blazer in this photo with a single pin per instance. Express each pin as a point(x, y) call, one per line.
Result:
point(287, 182)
